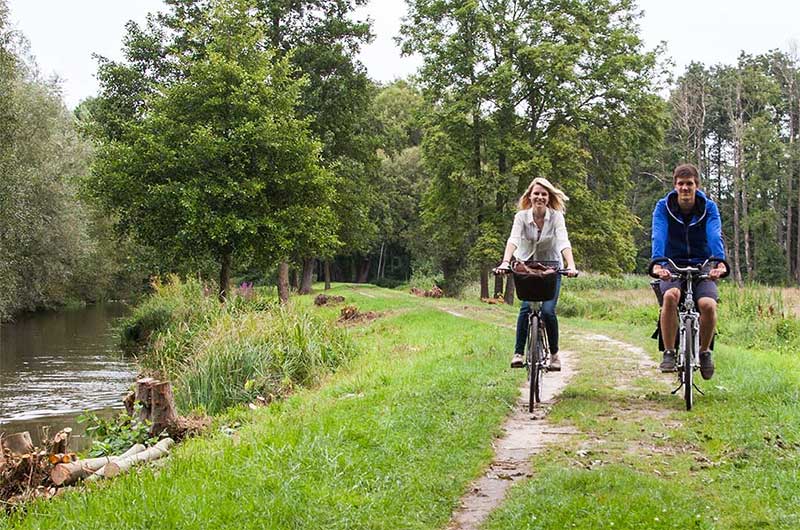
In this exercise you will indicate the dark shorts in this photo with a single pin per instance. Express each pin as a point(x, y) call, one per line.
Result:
point(701, 289)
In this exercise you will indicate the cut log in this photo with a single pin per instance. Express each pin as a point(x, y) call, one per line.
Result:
point(19, 443)
point(66, 474)
point(60, 442)
point(158, 404)
point(121, 465)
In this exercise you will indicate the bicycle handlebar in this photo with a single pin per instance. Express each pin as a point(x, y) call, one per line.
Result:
point(497, 271)
point(683, 271)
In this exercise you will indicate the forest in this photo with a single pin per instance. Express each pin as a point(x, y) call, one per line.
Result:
point(242, 140)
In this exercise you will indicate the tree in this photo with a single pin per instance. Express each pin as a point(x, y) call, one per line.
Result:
point(214, 162)
point(530, 88)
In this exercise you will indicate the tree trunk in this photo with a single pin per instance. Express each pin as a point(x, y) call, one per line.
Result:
point(509, 295)
point(737, 270)
point(283, 282)
point(308, 276)
point(736, 120)
point(790, 198)
point(498, 286)
point(380, 261)
point(120, 465)
point(158, 405)
point(18, 443)
point(327, 266)
point(295, 280)
point(484, 282)
point(746, 229)
point(68, 474)
point(363, 273)
point(224, 276)
point(60, 442)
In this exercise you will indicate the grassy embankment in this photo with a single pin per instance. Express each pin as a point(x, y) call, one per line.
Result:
point(393, 438)
point(388, 441)
point(642, 461)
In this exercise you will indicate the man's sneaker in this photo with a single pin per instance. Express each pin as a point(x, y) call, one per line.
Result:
point(668, 362)
point(706, 365)
point(555, 363)
point(517, 361)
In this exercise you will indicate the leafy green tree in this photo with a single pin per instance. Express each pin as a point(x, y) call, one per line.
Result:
point(530, 89)
point(215, 162)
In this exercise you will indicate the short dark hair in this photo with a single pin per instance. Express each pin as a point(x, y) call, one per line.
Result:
point(686, 170)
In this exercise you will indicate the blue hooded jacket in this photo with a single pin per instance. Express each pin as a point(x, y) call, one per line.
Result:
point(687, 244)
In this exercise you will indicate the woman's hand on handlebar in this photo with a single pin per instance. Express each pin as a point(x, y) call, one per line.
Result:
point(571, 272)
point(503, 268)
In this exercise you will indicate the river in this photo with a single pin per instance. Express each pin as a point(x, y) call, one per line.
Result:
point(56, 364)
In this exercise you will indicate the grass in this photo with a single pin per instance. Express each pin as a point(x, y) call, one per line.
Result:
point(218, 356)
point(642, 461)
point(392, 438)
point(390, 441)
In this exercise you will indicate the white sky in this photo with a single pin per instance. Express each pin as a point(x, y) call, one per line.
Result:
point(64, 34)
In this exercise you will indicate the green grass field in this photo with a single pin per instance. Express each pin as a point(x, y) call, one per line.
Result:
point(394, 436)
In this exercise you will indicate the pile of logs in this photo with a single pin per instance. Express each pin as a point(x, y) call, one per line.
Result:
point(433, 292)
point(27, 472)
point(323, 299)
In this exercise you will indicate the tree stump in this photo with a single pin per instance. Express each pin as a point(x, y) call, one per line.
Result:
point(19, 443)
point(158, 404)
point(60, 441)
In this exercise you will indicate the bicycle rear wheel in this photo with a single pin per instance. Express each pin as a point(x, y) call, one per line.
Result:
point(688, 369)
point(536, 364)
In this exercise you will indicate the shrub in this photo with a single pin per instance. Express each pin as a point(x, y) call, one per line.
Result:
point(219, 355)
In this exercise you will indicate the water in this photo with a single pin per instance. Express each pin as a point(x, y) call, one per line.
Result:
point(54, 365)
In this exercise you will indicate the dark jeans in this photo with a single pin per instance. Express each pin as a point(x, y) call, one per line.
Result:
point(550, 322)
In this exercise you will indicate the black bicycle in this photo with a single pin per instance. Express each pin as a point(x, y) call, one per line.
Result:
point(535, 282)
point(688, 358)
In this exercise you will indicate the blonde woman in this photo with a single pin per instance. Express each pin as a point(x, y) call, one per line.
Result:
point(540, 234)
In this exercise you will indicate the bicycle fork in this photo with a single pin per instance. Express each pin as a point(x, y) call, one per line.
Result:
point(688, 321)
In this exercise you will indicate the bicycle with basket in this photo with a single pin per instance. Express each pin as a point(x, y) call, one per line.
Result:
point(536, 282)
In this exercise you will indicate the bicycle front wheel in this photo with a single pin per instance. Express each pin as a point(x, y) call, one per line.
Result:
point(534, 362)
point(688, 369)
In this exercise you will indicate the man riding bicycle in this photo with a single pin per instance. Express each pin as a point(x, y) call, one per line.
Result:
point(687, 228)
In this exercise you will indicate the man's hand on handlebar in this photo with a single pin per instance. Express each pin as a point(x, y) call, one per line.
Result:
point(662, 272)
point(717, 272)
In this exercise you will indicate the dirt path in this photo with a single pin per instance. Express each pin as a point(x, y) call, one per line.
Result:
point(526, 434)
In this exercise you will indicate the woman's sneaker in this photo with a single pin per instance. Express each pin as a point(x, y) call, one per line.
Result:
point(517, 361)
point(706, 365)
point(555, 363)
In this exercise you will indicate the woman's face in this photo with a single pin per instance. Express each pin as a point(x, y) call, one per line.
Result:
point(539, 196)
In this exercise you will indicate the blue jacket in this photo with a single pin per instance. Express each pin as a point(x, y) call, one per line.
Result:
point(686, 244)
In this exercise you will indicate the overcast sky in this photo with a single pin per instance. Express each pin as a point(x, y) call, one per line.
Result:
point(64, 34)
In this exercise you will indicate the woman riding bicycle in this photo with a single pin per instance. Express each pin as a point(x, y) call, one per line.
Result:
point(539, 234)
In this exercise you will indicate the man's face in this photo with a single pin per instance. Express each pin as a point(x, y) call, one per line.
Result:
point(686, 188)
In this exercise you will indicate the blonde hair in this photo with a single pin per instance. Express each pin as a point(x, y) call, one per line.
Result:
point(557, 200)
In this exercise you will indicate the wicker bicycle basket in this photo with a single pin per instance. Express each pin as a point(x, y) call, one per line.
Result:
point(535, 281)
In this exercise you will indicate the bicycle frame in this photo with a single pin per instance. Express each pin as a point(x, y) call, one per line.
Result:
point(537, 346)
point(688, 358)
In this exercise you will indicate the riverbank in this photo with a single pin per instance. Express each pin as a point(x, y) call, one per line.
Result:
point(393, 438)
point(57, 364)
